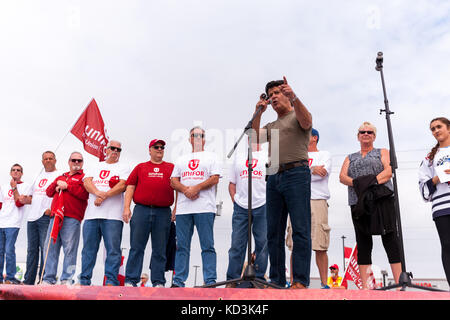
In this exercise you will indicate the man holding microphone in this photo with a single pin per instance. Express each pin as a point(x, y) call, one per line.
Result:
point(288, 187)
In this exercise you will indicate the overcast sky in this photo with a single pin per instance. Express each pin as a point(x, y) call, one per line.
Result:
point(157, 68)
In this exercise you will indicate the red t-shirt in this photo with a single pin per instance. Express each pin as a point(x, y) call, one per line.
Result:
point(152, 183)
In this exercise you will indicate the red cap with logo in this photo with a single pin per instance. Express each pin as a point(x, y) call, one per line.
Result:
point(155, 141)
point(334, 266)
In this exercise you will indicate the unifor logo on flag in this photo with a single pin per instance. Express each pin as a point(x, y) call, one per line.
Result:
point(352, 269)
point(90, 130)
point(58, 212)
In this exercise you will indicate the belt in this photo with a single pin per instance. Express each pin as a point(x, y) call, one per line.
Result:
point(291, 165)
point(152, 206)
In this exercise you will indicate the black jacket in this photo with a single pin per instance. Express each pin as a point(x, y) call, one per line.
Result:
point(375, 209)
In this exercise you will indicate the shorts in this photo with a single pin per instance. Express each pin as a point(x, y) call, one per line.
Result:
point(320, 230)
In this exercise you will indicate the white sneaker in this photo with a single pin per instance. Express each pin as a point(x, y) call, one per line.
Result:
point(129, 284)
point(159, 286)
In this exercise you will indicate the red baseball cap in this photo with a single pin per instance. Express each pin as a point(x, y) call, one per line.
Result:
point(155, 141)
point(334, 266)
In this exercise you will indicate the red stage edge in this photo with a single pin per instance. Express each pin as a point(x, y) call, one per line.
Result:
point(64, 292)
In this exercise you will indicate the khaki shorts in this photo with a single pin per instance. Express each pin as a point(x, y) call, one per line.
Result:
point(320, 230)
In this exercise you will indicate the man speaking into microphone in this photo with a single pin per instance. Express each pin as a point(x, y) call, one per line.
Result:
point(288, 187)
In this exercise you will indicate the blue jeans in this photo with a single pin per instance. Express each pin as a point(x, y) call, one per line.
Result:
point(93, 231)
point(68, 238)
point(239, 240)
point(36, 233)
point(204, 222)
point(8, 237)
point(146, 220)
point(289, 192)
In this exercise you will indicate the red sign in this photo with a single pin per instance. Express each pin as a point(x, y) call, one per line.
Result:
point(193, 164)
point(90, 130)
point(58, 211)
point(352, 271)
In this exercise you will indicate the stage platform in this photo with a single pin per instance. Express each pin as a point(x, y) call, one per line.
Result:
point(64, 292)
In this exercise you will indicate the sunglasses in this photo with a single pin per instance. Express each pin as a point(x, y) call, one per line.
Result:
point(364, 132)
point(197, 135)
point(18, 170)
point(158, 147)
point(115, 149)
point(76, 160)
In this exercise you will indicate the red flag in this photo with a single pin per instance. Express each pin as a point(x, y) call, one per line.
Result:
point(352, 270)
point(121, 275)
point(58, 212)
point(90, 129)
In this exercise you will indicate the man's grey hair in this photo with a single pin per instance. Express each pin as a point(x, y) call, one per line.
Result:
point(111, 141)
point(74, 153)
point(197, 127)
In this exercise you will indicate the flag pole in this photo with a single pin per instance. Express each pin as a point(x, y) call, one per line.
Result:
point(46, 253)
point(348, 265)
point(61, 141)
point(73, 125)
point(48, 246)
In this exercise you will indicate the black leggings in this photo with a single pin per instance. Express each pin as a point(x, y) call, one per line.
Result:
point(443, 228)
point(391, 243)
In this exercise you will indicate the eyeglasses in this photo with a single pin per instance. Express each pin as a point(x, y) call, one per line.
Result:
point(364, 132)
point(197, 135)
point(76, 160)
point(158, 147)
point(18, 170)
point(115, 149)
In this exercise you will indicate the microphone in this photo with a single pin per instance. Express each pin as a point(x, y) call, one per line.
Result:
point(264, 96)
point(379, 61)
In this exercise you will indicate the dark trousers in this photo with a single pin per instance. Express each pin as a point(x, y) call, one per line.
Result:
point(289, 192)
point(443, 228)
point(391, 242)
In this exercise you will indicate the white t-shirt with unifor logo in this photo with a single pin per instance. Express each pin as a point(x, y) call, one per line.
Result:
point(40, 202)
point(319, 185)
point(11, 216)
point(192, 169)
point(239, 176)
point(112, 207)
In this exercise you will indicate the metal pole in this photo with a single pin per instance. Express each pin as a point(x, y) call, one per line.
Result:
point(195, 279)
point(343, 251)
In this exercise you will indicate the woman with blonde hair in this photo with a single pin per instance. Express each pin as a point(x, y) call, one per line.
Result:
point(364, 171)
point(434, 184)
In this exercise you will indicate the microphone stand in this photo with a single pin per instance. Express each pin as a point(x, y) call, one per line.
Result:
point(249, 274)
point(405, 277)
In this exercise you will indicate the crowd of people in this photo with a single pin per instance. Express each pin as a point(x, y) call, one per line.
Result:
point(288, 201)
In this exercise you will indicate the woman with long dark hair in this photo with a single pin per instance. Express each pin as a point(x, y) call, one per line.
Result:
point(434, 182)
